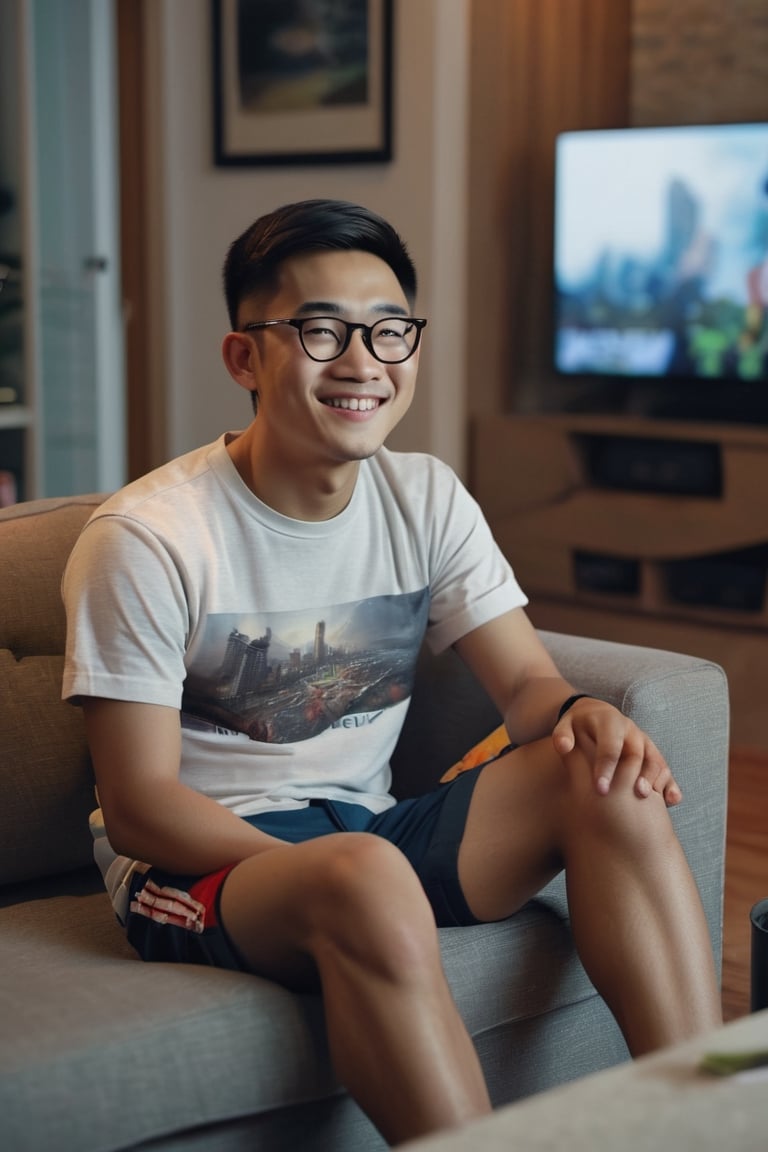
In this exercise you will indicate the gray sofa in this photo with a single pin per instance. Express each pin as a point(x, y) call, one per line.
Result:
point(99, 1051)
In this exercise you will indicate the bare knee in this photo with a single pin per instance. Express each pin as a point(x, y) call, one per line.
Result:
point(632, 824)
point(368, 904)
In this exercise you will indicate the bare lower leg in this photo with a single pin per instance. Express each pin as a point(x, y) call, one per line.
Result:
point(638, 922)
point(402, 1050)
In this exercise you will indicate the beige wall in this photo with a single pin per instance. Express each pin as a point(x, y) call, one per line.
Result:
point(200, 210)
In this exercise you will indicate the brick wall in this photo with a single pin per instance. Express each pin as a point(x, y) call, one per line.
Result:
point(699, 61)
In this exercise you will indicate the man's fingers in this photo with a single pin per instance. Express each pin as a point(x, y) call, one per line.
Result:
point(169, 906)
point(621, 755)
point(672, 793)
point(628, 754)
point(564, 742)
point(655, 776)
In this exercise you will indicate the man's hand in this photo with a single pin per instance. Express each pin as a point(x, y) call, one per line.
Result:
point(611, 741)
point(169, 906)
point(519, 675)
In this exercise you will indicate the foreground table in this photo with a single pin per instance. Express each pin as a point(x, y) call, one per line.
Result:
point(660, 1101)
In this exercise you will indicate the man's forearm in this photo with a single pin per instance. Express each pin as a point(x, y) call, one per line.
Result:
point(181, 831)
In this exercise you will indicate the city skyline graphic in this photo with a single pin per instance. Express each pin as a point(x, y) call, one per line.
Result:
point(284, 677)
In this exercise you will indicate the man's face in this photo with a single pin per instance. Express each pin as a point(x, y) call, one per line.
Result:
point(337, 411)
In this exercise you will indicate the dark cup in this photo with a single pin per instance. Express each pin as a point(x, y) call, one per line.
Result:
point(759, 975)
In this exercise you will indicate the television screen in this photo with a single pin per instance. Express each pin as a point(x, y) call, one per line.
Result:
point(661, 253)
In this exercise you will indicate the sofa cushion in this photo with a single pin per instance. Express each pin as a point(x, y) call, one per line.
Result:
point(43, 816)
point(129, 1051)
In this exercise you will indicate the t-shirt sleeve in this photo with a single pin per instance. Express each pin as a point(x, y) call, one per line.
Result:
point(472, 581)
point(127, 616)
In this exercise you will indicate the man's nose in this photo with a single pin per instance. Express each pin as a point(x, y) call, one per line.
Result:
point(358, 355)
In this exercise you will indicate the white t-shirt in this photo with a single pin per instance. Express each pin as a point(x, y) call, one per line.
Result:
point(288, 646)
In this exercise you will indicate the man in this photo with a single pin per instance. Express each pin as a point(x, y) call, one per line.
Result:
point(243, 627)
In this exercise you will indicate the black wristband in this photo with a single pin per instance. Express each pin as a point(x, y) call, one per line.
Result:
point(571, 701)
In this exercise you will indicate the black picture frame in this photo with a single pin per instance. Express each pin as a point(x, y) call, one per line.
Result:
point(305, 93)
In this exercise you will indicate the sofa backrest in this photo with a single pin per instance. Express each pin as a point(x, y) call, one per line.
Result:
point(46, 783)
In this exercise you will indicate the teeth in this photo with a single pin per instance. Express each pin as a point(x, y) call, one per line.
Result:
point(364, 404)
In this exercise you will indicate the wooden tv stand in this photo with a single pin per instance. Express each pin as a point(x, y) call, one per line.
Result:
point(666, 569)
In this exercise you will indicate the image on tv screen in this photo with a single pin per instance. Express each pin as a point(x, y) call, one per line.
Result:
point(661, 252)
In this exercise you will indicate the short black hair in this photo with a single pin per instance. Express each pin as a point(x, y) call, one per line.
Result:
point(310, 226)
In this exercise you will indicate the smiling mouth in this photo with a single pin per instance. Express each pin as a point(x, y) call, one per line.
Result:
point(353, 403)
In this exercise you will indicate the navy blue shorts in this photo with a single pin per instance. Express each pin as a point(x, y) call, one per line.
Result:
point(427, 829)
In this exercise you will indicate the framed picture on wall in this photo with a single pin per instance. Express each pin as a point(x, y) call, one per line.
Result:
point(302, 81)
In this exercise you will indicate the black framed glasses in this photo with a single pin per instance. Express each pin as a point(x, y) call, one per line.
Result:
point(391, 340)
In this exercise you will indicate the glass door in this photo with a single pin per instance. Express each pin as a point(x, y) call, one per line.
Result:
point(71, 267)
point(76, 237)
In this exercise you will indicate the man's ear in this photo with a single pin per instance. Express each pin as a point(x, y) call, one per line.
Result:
point(238, 354)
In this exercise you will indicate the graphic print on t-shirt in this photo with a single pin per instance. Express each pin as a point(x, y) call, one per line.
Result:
point(282, 677)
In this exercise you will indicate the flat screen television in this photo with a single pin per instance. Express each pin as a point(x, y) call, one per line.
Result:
point(661, 259)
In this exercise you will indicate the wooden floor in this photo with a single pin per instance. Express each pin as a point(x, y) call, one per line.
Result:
point(746, 871)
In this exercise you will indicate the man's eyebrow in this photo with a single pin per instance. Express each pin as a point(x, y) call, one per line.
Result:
point(329, 308)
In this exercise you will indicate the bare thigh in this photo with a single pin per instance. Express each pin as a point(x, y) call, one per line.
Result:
point(348, 890)
point(532, 811)
point(512, 840)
